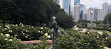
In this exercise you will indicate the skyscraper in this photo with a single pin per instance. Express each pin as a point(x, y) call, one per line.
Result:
point(76, 2)
point(85, 13)
point(72, 7)
point(89, 15)
point(109, 8)
point(66, 4)
point(77, 12)
point(96, 14)
point(105, 9)
point(100, 14)
point(81, 11)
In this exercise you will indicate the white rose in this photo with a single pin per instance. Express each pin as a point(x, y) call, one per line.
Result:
point(5, 39)
point(38, 31)
point(10, 30)
point(49, 36)
point(7, 35)
point(41, 28)
point(1, 34)
point(10, 40)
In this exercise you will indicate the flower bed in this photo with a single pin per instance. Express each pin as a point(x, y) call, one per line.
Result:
point(10, 42)
point(24, 32)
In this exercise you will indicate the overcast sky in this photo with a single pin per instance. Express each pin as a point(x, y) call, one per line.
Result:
point(94, 3)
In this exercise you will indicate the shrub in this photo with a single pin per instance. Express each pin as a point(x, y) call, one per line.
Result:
point(10, 42)
point(24, 32)
point(80, 41)
point(107, 39)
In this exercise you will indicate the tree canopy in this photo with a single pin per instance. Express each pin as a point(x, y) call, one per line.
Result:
point(64, 20)
point(30, 12)
point(107, 19)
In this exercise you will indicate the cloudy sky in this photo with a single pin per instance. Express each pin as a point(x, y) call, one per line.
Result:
point(94, 3)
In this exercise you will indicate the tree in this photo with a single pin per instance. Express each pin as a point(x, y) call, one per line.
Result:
point(98, 22)
point(107, 19)
point(64, 20)
point(31, 12)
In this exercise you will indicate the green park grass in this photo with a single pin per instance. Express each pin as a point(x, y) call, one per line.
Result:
point(71, 31)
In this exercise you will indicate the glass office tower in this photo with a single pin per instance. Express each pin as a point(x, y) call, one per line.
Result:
point(66, 5)
point(76, 2)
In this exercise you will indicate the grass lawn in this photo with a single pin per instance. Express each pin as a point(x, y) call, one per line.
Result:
point(72, 31)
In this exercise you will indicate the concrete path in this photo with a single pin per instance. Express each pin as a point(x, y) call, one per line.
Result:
point(85, 30)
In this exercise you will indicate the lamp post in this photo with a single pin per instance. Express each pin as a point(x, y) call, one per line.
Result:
point(91, 18)
point(55, 31)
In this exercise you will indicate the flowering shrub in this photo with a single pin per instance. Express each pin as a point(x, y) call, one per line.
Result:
point(80, 41)
point(9, 42)
point(43, 44)
point(24, 32)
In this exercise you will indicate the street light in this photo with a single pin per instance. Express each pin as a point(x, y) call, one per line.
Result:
point(55, 31)
point(91, 18)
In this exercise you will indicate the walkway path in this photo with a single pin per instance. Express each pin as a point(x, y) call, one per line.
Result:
point(85, 30)
point(35, 42)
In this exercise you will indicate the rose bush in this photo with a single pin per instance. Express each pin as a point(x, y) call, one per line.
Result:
point(24, 32)
point(10, 42)
point(80, 41)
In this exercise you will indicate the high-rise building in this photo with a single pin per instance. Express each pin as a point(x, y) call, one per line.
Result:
point(96, 14)
point(67, 5)
point(77, 12)
point(72, 8)
point(100, 14)
point(85, 13)
point(109, 8)
point(82, 7)
point(105, 9)
point(76, 2)
point(89, 15)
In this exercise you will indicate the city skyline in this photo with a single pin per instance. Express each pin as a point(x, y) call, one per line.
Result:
point(94, 3)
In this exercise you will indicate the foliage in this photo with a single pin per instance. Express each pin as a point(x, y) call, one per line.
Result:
point(85, 21)
point(107, 39)
point(103, 27)
point(10, 42)
point(84, 25)
point(42, 45)
point(24, 32)
point(71, 31)
point(80, 41)
point(31, 12)
point(98, 22)
point(107, 19)
point(64, 20)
